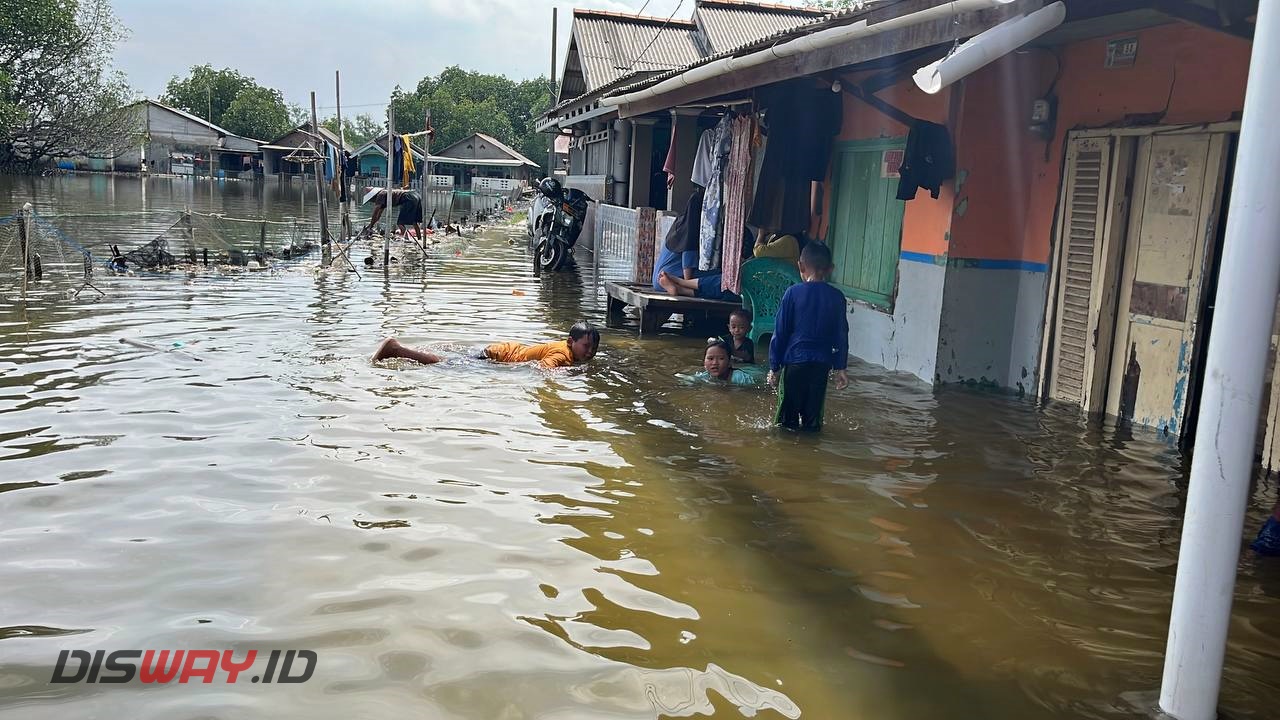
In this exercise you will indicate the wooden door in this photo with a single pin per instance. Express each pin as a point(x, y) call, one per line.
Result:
point(1091, 227)
point(1174, 221)
point(866, 220)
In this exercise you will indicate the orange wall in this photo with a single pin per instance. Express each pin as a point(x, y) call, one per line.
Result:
point(1009, 193)
point(926, 222)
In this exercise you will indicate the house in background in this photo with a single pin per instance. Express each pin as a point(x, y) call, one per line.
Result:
point(1073, 256)
point(177, 141)
point(300, 142)
point(478, 157)
point(373, 157)
point(621, 160)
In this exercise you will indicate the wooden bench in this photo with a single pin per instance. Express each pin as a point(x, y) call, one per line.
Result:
point(656, 306)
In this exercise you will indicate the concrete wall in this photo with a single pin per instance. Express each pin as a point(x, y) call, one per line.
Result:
point(1009, 179)
point(903, 339)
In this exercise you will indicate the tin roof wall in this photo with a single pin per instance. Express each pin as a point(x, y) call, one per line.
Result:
point(613, 45)
point(727, 24)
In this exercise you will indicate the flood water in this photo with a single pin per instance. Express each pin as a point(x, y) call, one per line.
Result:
point(477, 541)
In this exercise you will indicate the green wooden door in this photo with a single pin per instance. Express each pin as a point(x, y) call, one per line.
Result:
point(866, 221)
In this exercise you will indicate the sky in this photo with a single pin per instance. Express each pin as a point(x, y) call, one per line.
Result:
point(296, 45)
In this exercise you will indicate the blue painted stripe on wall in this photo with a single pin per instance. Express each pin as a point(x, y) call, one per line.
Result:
point(979, 263)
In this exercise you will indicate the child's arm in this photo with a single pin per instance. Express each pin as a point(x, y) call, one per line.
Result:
point(841, 359)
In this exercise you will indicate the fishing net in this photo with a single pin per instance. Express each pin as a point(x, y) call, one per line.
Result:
point(38, 261)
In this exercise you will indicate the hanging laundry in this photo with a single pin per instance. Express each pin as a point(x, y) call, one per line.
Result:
point(669, 165)
point(929, 161)
point(709, 167)
point(328, 162)
point(801, 122)
point(396, 159)
point(737, 174)
point(409, 167)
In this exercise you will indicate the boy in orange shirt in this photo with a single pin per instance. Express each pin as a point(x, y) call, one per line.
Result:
point(581, 346)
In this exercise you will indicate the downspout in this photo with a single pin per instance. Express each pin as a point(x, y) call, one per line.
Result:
point(621, 160)
point(987, 47)
point(808, 43)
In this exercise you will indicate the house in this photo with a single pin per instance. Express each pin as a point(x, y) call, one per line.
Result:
point(1072, 257)
point(481, 156)
point(373, 157)
point(282, 155)
point(177, 141)
point(620, 161)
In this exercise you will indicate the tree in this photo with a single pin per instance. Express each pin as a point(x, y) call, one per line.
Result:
point(357, 132)
point(57, 95)
point(207, 93)
point(258, 113)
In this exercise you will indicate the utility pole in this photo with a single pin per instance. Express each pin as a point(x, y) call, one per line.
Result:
point(551, 145)
point(326, 251)
point(1235, 369)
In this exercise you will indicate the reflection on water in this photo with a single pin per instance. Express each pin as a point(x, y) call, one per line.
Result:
point(477, 541)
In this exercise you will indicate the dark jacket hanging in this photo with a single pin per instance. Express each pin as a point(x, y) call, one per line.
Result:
point(929, 161)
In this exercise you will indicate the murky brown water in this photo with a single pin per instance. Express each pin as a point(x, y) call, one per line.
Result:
point(476, 541)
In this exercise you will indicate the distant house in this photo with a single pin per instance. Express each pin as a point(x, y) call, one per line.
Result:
point(483, 156)
point(281, 156)
point(177, 141)
point(373, 157)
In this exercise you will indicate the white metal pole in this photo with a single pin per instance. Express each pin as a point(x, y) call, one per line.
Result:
point(1233, 381)
point(388, 209)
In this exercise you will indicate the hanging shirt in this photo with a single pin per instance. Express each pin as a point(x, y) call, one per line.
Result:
point(929, 161)
point(549, 355)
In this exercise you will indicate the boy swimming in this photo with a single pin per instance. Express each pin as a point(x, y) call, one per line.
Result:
point(579, 347)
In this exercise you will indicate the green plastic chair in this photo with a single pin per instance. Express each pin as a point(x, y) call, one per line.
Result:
point(764, 280)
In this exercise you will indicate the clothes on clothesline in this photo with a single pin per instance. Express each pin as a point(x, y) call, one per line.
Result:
point(709, 166)
point(737, 173)
point(929, 160)
point(801, 121)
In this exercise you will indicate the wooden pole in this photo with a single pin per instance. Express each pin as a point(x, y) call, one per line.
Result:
point(387, 209)
point(426, 162)
point(326, 252)
point(344, 202)
point(26, 233)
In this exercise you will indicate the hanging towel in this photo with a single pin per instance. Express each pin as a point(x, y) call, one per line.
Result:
point(669, 165)
point(737, 174)
point(929, 161)
point(409, 167)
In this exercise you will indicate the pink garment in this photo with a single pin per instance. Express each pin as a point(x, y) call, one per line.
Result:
point(736, 191)
point(669, 165)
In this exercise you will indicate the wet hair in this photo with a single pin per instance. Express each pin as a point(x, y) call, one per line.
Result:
point(720, 343)
point(816, 256)
point(741, 313)
point(581, 329)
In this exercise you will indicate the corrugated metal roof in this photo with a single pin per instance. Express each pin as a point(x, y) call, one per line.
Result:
point(506, 149)
point(726, 24)
point(611, 46)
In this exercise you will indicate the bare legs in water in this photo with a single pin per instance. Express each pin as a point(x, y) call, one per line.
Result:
point(391, 348)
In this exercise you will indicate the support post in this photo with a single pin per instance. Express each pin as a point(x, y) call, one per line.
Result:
point(684, 123)
point(388, 209)
point(1222, 463)
point(326, 251)
point(26, 234)
point(425, 181)
point(344, 200)
point(551, 145)
point(641, 170)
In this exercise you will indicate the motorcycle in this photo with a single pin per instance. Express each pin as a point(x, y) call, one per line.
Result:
point(555, 222)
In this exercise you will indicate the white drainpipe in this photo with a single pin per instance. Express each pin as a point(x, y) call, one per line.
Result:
point(808, 43)
point(1234, 378)
point(987, 47)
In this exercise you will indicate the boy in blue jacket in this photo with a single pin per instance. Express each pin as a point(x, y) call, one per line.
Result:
point(810, 339)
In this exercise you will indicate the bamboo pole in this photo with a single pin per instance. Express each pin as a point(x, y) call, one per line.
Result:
point(326, 251)
point(344, 201)
point(26, 233)
point(386, 239)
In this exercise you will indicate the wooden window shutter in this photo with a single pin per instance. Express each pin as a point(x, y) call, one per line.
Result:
point(1080, 239)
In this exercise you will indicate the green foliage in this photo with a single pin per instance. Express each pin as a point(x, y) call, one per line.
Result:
point(207, 93)
point(58, 96)
point(355, 132)
point(464, 102)
point(259, 113)
point(233, 101)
